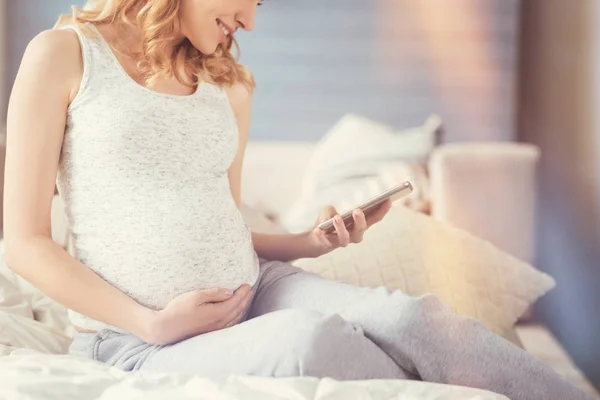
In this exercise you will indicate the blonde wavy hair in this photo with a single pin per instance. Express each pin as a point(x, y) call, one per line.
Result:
point(163, 54)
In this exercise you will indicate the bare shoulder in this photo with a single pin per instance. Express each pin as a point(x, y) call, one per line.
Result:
point(240, 96)
point(55, 54)
point(56, 47)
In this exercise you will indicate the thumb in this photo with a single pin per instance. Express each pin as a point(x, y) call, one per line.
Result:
point(215, 295)
point(327, 212)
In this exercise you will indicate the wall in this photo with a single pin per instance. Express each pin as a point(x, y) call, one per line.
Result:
point(3, 100)
point(396, 61)
point(25, 19)
point(3, 61)
point(559, 100)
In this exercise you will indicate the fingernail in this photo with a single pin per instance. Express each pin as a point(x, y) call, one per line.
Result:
point(338, 218)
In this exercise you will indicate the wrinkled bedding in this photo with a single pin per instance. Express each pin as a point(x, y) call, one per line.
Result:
point(36, 376)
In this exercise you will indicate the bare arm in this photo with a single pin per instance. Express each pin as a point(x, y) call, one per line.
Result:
point(271, 247)
point(289, 247)
point(48, 80)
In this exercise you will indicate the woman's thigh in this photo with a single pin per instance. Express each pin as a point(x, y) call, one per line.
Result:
point(280, 344)
point(283, 285)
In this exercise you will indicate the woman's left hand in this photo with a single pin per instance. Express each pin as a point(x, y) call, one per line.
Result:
point(342, 237)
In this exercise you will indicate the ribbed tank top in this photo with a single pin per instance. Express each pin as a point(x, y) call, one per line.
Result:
point(144, 179)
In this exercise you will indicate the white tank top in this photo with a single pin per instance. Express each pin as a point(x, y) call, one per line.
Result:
point(144, 179)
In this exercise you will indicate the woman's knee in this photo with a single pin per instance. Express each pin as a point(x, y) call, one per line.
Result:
point(426, 305)
point(398, 312)
point(423, 315)
point(319, 343)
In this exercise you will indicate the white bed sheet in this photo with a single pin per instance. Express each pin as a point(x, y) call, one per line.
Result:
point(38, 376)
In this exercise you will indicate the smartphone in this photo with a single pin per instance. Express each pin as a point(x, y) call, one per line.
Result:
point(394, 194)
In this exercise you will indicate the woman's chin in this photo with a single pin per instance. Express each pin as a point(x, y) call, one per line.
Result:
point(210, 49)
point(207, 48)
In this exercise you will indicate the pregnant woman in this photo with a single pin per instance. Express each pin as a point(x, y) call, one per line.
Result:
point(138, 112)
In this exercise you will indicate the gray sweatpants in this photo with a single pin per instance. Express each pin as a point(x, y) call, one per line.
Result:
point(302, 325)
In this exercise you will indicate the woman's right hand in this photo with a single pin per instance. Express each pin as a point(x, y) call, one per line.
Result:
point(198, 312)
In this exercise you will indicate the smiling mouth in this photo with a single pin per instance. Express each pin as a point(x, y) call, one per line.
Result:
point(224, 28)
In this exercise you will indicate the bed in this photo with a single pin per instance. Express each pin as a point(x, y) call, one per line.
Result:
point(35, 334)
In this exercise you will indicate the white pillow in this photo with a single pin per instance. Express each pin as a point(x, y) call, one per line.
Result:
point(415, 253)
point(358, 147)
point(359, 157)
point(349, 193)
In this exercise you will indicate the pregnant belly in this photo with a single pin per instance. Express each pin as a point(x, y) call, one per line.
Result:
point(154, 277)
point(164, 260)
point(157, 244)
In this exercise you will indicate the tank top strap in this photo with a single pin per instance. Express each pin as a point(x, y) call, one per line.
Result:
point(86, 52)
point(98, 66)
point(84, 42)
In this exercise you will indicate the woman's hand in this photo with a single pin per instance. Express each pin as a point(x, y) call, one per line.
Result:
point(197, 312)
point(324, 243)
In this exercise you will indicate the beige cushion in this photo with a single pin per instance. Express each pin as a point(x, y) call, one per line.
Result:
point(417, 254)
